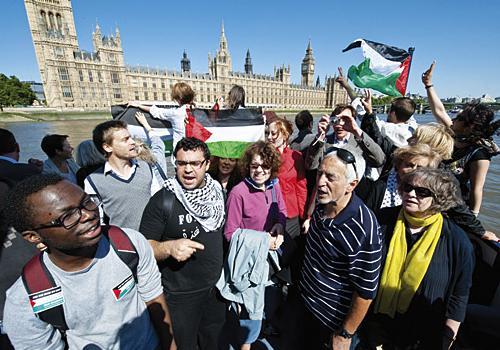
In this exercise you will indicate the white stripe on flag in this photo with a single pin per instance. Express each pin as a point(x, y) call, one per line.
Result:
point(379, 64)
point(250, 133)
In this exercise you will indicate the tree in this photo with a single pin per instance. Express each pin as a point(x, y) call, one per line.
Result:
point(14, 92)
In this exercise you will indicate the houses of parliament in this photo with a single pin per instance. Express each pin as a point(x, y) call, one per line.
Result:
point(76, 79)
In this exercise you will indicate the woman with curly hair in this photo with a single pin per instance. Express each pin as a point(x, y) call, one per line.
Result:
point(474, 128)
point(425, 281)
point(256, 203)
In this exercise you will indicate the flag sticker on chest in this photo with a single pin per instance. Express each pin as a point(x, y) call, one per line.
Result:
point(124, 287)
point(46, 299)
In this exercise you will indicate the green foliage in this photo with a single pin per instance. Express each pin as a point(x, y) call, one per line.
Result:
point(384, 100)
point(13, 92)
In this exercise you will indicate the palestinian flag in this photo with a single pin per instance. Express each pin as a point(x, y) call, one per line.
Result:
point(226, 132)
point(384, 69)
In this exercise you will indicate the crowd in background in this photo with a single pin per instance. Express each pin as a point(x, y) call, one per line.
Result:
point(351, 236)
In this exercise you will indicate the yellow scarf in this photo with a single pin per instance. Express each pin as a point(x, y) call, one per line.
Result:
point(404, 272)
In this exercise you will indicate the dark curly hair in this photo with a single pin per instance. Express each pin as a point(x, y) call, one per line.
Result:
point(442, 183)
point(17, 212)
point(192, 144)
point(270, 158)
point(480, 118)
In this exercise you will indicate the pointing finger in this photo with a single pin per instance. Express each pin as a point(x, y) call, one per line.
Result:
point(195, 245)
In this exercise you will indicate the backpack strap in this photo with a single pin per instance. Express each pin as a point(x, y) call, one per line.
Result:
point(124, 248)
point(37, 278)
point(168, 204)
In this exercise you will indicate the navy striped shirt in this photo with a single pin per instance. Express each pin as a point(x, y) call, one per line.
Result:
point(342, 255)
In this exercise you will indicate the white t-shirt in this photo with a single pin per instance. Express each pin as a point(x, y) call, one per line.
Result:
point(96, 318)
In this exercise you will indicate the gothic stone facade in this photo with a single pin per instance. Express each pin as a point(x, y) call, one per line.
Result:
point(73, 78)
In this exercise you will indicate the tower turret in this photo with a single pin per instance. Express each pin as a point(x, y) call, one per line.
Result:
point(248, 63)
point(185, 63)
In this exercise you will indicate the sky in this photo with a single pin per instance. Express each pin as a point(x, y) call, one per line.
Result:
point(462, 36)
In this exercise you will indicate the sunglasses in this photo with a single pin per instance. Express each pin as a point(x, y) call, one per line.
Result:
point(420, 192)
point(345, 156)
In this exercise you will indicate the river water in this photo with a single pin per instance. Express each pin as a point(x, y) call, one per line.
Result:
point(29, 135)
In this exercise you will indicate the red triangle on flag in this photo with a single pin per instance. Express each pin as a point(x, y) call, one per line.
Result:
point(195, 129)
point(117, 293)
point(32, 303)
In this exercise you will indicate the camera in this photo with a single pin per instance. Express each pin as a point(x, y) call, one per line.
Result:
point(334, 119)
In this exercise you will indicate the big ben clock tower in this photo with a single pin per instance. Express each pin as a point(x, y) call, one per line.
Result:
point(308, 64)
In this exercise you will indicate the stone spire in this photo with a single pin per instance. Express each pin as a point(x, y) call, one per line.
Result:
point(223, 40)
point(248, 63)
point(185, 63)
point(318, 83)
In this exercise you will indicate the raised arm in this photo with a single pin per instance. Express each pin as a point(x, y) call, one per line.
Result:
point(138, 105)
point(345, 84)
point(435, 103)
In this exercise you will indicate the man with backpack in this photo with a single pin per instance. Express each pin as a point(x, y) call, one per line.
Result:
point(94, 286)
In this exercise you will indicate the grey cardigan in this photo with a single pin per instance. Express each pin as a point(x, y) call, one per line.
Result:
point(246, 271)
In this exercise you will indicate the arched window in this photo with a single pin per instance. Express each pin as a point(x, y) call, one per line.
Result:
point(43, 17)
point(51, 21)
point(59, 22)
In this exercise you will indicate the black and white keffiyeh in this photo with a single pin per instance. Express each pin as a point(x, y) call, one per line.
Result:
point(206, 204)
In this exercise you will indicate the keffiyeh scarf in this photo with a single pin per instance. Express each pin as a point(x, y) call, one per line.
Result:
point(206, 204)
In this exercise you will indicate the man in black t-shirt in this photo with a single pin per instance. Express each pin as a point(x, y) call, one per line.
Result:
point(184, 224)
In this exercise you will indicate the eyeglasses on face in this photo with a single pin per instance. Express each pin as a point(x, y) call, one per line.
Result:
point(255, 166)
point(194, 163)
point(420, 192)
point(345, 156)
point(72, 217)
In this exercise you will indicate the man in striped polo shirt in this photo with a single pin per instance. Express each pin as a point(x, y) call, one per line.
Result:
point(342, 258)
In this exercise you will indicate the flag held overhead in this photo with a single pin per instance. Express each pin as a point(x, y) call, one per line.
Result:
point(385, 68)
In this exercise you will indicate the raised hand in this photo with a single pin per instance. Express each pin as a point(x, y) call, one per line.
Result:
point(351, 126)
point(141, 118)
point(341, 78)
point(323, 125)
point(427, 75)
point(366, 101)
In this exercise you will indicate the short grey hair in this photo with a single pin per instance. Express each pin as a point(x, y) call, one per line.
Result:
point(442, 183)
point(87, 154)
point(351, 175)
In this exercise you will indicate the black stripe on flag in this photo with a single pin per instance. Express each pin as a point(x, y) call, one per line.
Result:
point(391, 53)
point(207, 117)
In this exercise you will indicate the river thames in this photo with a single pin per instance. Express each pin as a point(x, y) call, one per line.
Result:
point(30, 134)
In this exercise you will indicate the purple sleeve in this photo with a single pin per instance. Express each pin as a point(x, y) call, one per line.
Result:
point(234, 213)
point(281, 206)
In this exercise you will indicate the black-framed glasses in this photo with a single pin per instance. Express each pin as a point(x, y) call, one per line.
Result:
point(194, 163)
point(72, 217)
point(345, 156)
point(420, 192)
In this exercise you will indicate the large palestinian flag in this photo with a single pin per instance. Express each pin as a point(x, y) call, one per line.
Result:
point(384, 69)
point(226, 132)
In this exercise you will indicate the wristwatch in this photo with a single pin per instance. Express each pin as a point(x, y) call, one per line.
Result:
point(345, 334)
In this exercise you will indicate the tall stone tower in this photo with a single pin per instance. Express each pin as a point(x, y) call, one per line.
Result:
point(185, 63)
point(223, 57)
point(53, 31)
point(308, 64)
point(248, 63)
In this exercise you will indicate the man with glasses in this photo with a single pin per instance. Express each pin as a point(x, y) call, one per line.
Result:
point(87, 273)
point(184, 224)
point(342, 258)
point(124, 184)
point(346, 134)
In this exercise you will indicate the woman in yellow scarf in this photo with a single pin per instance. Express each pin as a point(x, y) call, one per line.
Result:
point(425, 281)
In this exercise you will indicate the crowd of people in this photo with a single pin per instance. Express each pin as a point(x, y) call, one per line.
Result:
point(351, 236)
